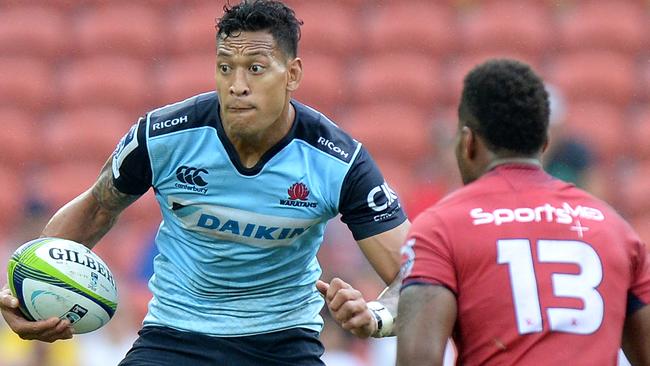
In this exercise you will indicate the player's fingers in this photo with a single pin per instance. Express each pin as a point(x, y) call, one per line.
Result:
point(344, 296)
point(7, 300)
point(335, 285)
point(360, 320)
point(322, 287)
point(35, 329)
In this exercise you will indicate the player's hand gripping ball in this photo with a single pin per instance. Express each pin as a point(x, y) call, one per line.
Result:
point(60, 278)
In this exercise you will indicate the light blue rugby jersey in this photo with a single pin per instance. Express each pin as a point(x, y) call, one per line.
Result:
point(238, 245)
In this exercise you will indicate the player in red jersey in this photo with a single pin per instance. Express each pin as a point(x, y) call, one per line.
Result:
point(517, 267)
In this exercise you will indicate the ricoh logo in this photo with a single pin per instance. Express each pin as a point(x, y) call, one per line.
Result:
point(191, 179)
point(298, 195)
point(545, 213)
point(169, 123)
point(330, 145)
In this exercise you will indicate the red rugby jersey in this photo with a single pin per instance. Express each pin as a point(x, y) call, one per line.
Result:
point(542, 271)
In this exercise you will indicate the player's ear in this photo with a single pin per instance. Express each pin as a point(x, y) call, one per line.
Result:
point(468, 142)
point(294, 73)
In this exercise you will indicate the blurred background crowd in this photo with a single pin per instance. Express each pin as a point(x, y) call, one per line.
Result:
point(74, 75)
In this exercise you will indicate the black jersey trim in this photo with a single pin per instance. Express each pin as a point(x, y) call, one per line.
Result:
point(323, 134)
point(197, 111)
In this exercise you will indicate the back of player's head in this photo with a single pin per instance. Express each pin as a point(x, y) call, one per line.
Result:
point(506, 103)
point(262, 15)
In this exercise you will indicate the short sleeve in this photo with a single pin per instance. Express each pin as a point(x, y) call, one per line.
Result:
point(426, 255)
point(639, 293)
point(368, 205)
point(130, 165)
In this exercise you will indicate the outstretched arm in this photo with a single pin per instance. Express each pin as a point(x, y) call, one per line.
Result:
point(347, 305)
point(85, 219)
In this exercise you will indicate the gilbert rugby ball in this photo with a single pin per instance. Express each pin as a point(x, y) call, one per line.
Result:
point(60, 278)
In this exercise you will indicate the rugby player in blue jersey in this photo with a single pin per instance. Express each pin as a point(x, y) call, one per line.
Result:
point(246, 178)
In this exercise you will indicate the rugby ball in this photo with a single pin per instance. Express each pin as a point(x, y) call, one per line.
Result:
point(60, 278)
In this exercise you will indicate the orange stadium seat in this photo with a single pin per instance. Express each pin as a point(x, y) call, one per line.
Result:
point(636, 181)
point(120, 29)
point(20, 132)
point(639, 133)
point(334, 33)
point(643, 84)
point(621, 26)
point(85, 134)
point(514, 27)
point(120, 82)
point(192, 28)
point(427, 27)
point(182, 77)
point(26, 83)
point(58, 183)
point(390, 130)
point(599, 76)
point(407, 78)
point(601, 126)
point(12, 197)
point(144, 212)
point(38, 31)
point(323, 83)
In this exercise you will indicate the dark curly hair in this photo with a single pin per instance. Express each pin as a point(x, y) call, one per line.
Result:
point(509, 106)
point(262, 15)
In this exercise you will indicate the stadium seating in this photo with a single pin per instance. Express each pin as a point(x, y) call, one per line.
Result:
point(34, 30)
point(639, 134)
point(184, 76)
point(597, 76)
point(120, 29)
point(26, 82)
point(601, 126)
point(20, 130)
point(329, 34)
point(85, 134)
point(391, 131)
point(58, 183)
point(190, 31)
point(515, 27)
point(425, 26)
point(324, 83)
point(12, 197)
point(620, 26)
point(120, 82)
point(403, 78)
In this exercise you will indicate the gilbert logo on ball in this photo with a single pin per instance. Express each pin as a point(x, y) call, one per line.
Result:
point(60, 278)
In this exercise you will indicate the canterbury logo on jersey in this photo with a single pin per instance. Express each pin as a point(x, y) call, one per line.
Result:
point(544, 213)
point(191, 179)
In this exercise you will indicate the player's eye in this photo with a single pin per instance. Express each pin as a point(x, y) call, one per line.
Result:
point(224, 69)
point(256, 69)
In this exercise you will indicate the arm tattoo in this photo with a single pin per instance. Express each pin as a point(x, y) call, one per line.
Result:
point(107, 195)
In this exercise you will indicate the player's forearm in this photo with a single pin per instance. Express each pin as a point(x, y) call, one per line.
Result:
point(384, 309)
point(82, 220)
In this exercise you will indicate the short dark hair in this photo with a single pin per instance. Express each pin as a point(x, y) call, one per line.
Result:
point(508, 104)
point(262, 15)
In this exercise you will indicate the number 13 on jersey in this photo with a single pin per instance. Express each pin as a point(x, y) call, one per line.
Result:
point(517, 254)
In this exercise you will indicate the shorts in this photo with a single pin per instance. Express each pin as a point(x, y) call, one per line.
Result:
point(161, 346)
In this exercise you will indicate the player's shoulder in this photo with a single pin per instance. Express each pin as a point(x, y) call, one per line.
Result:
point(320, 132)
point(196, 111)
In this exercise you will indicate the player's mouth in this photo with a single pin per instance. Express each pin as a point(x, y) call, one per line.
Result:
point(240, 109)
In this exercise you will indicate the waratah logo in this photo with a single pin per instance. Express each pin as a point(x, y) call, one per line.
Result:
point(298, 194)
point(298, 191)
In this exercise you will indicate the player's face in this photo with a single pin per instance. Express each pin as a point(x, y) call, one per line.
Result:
point(254, 82)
